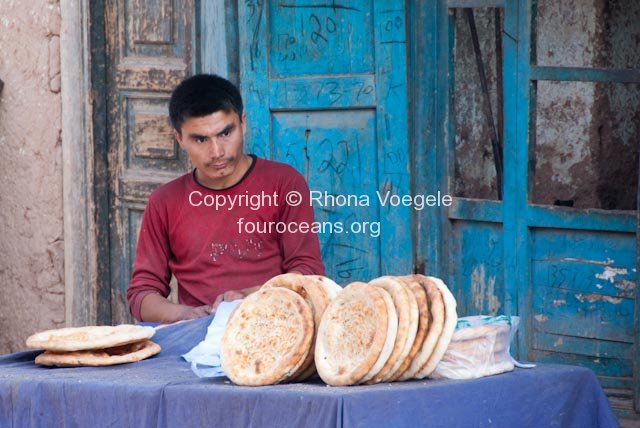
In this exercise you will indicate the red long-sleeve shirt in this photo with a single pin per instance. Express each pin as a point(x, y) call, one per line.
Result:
point(206, 247)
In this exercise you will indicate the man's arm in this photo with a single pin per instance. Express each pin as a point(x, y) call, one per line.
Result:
point(156, 308)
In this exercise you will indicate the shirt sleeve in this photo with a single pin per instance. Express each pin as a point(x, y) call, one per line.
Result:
point(151, 272)
point(299, 244)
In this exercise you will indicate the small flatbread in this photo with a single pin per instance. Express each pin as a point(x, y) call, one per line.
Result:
point(352, 334)
point(90, 337)
point(449, 327)
point(423, 323)
point(479, 347)
point(407, 312)
point(129, 353)
point(436, 324)
point(479, 331)
point(267, 338)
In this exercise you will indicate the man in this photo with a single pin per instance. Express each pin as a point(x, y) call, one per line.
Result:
point(222, 228)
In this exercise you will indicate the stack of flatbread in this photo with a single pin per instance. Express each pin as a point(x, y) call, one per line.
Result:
point(392, 328)
point(270, 336)
point(94, 345)
point(479, 347)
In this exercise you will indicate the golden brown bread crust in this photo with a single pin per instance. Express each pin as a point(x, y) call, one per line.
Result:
point(423, 323)
point(407, 315)
point(128, 353)
point(331, 289)
point(436, 324)
point(392, 330)
point(352, 334)
point(448, 328)
point(267, 338)
point(311, 289)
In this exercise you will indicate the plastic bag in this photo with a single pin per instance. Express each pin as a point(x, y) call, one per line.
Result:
point(479, 347)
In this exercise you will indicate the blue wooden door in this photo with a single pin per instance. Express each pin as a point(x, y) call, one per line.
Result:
point(324, 83)
point(570, 274)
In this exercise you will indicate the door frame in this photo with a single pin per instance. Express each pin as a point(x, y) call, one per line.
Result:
point(87, 279)
point(430, 73)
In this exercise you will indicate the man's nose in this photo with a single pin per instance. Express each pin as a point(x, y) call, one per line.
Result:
point(215, 149)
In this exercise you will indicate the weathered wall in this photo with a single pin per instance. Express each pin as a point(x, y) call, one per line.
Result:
point(31, 248)
point(475, 174)
point(587, 134)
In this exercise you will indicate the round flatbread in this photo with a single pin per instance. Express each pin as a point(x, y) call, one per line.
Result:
point(330, 286)
point(449, 327)
point(407, 312)
point(392, 332)
point(311, 288)
point(128, 353)
point(267, 338)
point(423, 323)
point(90, 337)
point(436, 324)
point(352, 334)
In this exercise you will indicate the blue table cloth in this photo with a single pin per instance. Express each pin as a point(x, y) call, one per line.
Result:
point(163, 392)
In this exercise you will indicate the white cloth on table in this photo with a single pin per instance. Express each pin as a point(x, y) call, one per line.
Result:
point(207, 352)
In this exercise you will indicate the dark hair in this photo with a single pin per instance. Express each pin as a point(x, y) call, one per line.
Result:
point(202, 95)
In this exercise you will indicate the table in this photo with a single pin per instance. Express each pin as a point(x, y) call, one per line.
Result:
point(163, 392)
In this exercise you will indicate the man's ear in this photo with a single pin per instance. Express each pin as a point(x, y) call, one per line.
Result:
point(243, 120)
point(178, 137)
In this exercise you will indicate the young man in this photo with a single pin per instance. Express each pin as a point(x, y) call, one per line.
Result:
point(226, 227)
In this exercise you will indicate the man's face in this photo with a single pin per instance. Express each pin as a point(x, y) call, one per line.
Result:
point(214, 145)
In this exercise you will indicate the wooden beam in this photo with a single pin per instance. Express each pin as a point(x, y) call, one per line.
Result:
point(474, 3)
point(79, 241)
point(583, 74)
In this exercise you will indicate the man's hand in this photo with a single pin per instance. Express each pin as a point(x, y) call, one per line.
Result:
point(191, 312)
point(231, 295)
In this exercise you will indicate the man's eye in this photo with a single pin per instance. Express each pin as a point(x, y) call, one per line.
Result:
point(226, 132)
point(200, 140)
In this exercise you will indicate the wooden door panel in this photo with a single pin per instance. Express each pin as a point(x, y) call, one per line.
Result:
point(149, 49)
point(583, 286)
point(477, 266)
point(315, 37)
point(340, 155)
point(325, 90)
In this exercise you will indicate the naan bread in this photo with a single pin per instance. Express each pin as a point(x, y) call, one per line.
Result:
point(480, 346)
point(329, 285)
point(436, 324)
point(449, 327)
point(423, 323)
point(129, 353)
point(268, 337)
point(479, 331)
point(331, 289)
point(311, 288)
point(407, 311)
point(392, 331)
point(352, 334)
point(90, 337)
